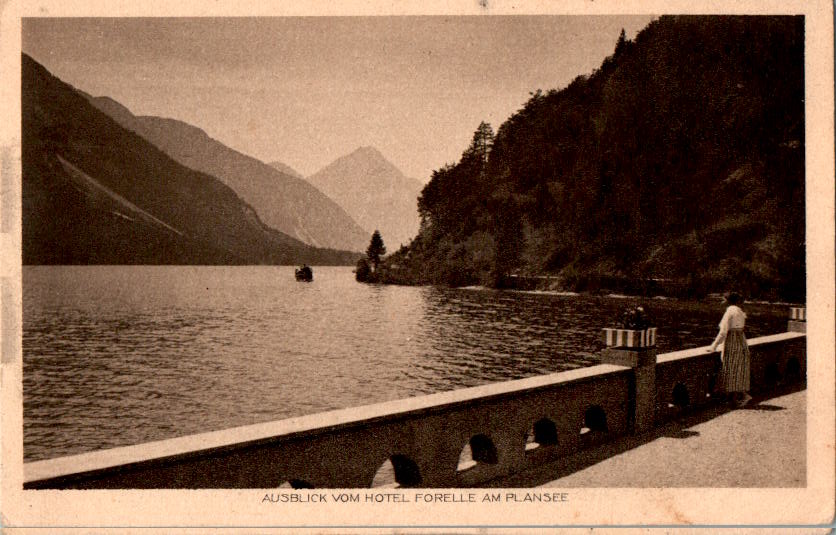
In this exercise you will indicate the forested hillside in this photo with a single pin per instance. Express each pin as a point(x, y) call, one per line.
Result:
point(681, 158)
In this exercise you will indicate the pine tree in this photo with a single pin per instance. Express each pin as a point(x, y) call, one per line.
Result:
point(363, 273)
point(621, 45)
point(376, 249)
point(481, 145)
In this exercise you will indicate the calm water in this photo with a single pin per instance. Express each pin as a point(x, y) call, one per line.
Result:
point(121, 355)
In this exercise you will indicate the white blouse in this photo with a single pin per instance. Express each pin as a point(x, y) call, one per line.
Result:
point(734, 318)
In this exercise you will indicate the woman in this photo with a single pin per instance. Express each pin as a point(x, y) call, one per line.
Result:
point(734, 375)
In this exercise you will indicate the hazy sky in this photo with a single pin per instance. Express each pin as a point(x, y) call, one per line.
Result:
point(307, 90)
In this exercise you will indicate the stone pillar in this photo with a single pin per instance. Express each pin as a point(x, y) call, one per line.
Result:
point(643, 399)
point(798, 320)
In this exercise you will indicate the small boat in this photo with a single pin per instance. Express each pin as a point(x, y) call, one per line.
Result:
point(304, 274)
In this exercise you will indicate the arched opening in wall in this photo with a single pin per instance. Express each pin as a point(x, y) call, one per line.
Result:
point(542, 433)
point(479, 450)
point(594, 420)
point(793, 371)
point(296, 484)
point(680, 396)
point(771, 375)
point(398, 471)
point(712, 385)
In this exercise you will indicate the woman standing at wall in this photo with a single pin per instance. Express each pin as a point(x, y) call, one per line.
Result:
point(734, 375)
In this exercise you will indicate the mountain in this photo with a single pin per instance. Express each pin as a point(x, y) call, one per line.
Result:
point(96, 193)
point(285, 202)
point(286, 169)
point(680, 159)
point(374, 192)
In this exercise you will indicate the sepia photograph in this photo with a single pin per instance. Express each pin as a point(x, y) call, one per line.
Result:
point(432, 269)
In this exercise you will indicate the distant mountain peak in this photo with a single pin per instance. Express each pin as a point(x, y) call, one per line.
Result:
point(283, 200)
point(374, 192)
point(95, 192)
point(174, 125)
point(286, 169)
point(368, 150)
point(368, 160)
point(107, 100)
point(109, 106)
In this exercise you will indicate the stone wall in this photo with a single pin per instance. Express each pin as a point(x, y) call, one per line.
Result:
point(450, 439)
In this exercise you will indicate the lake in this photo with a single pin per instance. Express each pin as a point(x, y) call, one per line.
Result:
point(118, 355)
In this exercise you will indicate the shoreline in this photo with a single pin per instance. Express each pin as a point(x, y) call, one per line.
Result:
point(714, 296)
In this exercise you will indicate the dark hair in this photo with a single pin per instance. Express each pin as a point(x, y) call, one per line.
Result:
point(734, 298)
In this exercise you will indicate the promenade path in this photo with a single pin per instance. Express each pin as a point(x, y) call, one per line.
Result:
point(761, 445)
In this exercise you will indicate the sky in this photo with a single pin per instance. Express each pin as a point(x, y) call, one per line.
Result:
point(308, 90)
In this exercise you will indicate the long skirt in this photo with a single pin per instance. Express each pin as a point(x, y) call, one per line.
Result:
point(734, 376)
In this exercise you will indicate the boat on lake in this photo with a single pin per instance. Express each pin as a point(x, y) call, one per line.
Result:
point(304, 274)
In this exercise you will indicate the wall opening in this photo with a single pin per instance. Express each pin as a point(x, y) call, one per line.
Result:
point(398, 471)
point(680, 395)
point(479, 450)
point(594, 420)
point(296, 484)
point(793, 371)
point(771, 375)
point(714, 378)
point(542, 433)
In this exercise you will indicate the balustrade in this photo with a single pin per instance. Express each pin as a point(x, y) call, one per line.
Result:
point(501, 428)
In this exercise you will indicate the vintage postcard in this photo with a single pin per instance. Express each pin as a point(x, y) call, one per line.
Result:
point(373, 267)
